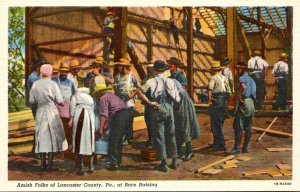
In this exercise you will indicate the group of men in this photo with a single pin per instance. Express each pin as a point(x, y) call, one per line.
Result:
point(250, 96)
point(112, 110)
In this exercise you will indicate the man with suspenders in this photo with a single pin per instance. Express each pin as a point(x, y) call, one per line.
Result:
point(281, 71)
point(257, 68)
point(218, 92)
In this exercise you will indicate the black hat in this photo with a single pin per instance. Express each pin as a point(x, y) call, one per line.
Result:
point(39, 63)
point(225, 61)
point(174, 61)
point(241, 65)
point(159, 65)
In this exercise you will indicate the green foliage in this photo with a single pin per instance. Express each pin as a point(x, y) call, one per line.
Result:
point(16, 61)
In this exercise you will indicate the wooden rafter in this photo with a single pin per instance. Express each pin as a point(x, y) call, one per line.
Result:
point(206, 21)
point(243, 38)
point(66, 53)
point(280, 17)
point(63, 41)
point(251, 12)
point(250, 17)
point(212, 18)
point(270, 14)
point(62, 11)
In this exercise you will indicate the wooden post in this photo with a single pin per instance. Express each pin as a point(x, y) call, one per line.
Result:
point(190, 52)
point(150, 43)
point(28, 50)
point(232, 43)
point(289, 13)
point(120, 33)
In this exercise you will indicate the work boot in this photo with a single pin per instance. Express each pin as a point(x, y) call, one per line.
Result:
point(81, 165)
point(163, 166)
point(188, 151)
point(246, 142)
point(174, 164)
point(237, 142)
point(50, 162)
point(91, 165)
point(179, 152)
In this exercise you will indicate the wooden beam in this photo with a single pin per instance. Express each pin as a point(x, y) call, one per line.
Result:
point(67, 28)
point(190, 52)
point(279, 15)
point(60, 11)
point(273, 131)
point(215, 163)
point(262, 135)
point(135, 60)
point(67, 53)
point(243, 39)
point(64, 41)
point(28, 50)
point(120, 32)
point(269, 13)
point(150, 43)
point(272, 149)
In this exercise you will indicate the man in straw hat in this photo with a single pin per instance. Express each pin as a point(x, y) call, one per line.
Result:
point(125, 86)
point(174, 64)
point(108, 30)
point(74, 69)
point(113, 113)
point(163, 92)
point(280, 71)
point(49, 131)
point(218, 92)
point(98, 75)
point(67, 89)
point(258, 68)
point(245, 109)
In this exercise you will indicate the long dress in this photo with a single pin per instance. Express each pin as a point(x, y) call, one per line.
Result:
point(83, 137)
point(186, 124)
point(49, 131)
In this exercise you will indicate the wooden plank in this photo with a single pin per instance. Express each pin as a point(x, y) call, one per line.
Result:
point(215, 163)
point(283, 166)
point(190, 52)
point(274, 173)
point(18, 113)
point(233, 161)
point(261, 136)
point(201, 105)
point(28, 50)
point(20, 116)
point(21, 125)
point(286, 172)
point(211, 171)
point(13, 141)
point(278, 149)
point(243, 158)
point(120, 33)
point(255, 172)
point(67, 53)
point(68, 28)
point(243, 39)
point(20, 120)
point(64, 41)
point(228, 166)
point(150, 43)
point(20, 149)
point(273, 131)
point(61, 11)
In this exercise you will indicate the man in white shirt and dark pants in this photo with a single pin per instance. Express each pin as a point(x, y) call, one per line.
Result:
point(258, 67)
point(280, 71)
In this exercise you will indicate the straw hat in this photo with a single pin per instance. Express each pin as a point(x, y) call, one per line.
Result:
point(283, 56)
point(216, 66)
point(99, 61)
point(64, 67)
point(256, 53)
point(109, 13)
point(122, 62)
point(101, 87)
point(74, 65)
point(55, 69)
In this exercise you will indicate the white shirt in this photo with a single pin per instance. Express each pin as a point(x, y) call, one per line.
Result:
point(282, 68)
point(261, 63)
point(156, 86)
point(227, 73)
point(73, 79)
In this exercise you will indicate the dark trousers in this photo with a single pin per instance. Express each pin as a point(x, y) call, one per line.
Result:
point(281, 97)
point(129, 124)
point(147, 112)
point(260, 89)
point(117, 130)
point(163, 128)
point(217, 115)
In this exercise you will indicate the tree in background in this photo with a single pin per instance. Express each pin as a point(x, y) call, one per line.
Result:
point(16, 60)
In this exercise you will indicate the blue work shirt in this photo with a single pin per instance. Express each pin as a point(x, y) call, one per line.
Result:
point(67, 88)
point(180, 78)
point(90, 75)
point(250, 89)
point(33, 77)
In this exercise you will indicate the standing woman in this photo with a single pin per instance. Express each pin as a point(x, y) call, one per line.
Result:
point(82, 119)
point(49, 131)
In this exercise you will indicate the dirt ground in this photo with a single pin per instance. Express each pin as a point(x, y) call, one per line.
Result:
point(133, 168)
